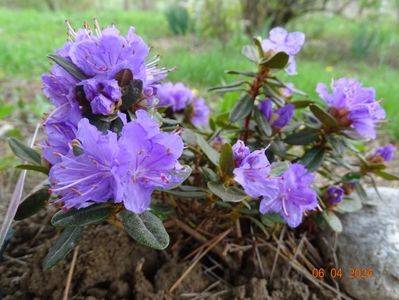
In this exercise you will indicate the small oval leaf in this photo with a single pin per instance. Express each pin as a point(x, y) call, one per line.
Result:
point(242, 108)
point(32, 204)
point(40, 169)
point(263, 124)
point(145, 228)
point(68, 66)
point(64, 244)
point(313, 158)
point(83, 216)
point(24, 152)
point(333, 221)
point(279, 168)
point(323, 116)
point(386, 175)
point(303, 137)
point(230, 194)
point(211, 153)
point(226, 162)
point(277, 61)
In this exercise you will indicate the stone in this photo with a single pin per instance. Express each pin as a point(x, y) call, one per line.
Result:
point(370, 241)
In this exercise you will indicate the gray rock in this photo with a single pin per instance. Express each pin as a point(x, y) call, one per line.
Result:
point(370, 240)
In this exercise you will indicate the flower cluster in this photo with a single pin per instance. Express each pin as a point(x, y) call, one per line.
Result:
point(382, 154)
point(353, 105)
point(289, 195)
point(92, 164)
point(280, 40)
point(279, 117)
point(125, 170)
point(102, 57)
point(181, 98)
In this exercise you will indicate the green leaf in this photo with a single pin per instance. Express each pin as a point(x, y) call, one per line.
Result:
point(271, 219)
point(349, 205)
point(82, 217)
point(323, 116)
point(277, 61)
point(40, 169)
point(230, 194)
point(303, 137)
point(68, 66)
point(263, 124)
point(336, 143)
point(279, 168)
point(32, 204)
point(24, 152)
point(209, 174)
point(251, 53)
point(313, 158)
point(351, 177)
point(228, 87)
point(333, 221)
point(186, 194)
point(361, 192)
point(145, 228)
point(183, 174)
point(226, 162)
point(386, 175)
point(233, 72)
point(242, 108)
point(211, 153)
point(162, 211)
point(302, 103)
point(64, 244)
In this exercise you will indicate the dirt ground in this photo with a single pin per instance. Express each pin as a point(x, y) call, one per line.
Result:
point(110, 265)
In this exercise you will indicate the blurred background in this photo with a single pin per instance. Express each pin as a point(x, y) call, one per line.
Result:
point(202, 38)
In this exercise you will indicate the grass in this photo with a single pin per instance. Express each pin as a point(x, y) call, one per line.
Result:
point(27, 36)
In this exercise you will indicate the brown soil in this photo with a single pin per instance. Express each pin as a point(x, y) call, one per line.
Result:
point(110, 265)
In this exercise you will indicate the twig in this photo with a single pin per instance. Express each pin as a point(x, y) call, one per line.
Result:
point(199, 237)
point(70, 273)
point(215, 241)
point(297, 251)
point(255, 246)
point(277, 255)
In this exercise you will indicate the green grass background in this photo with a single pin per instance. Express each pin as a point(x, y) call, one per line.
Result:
point(27, 36)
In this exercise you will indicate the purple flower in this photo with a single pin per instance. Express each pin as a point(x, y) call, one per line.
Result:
point(125, 170)
point(240, 151)
point(295, 196)
point(103, 53)
point(266, 107)
point(100, 55)
point(177, 96)
point(353, 106)
point(385, 153)
point(88, 178)
point(59, 87)
point(284, 115)
point(280, 40)
point(199, 116)
point(102, 94)
point(59, 135)
point(253, 173)
point(279, 117)
point(335, 194)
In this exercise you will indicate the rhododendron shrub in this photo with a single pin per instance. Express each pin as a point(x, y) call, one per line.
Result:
point(125, 146)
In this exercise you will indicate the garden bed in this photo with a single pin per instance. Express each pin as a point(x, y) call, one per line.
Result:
point(110, 265)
